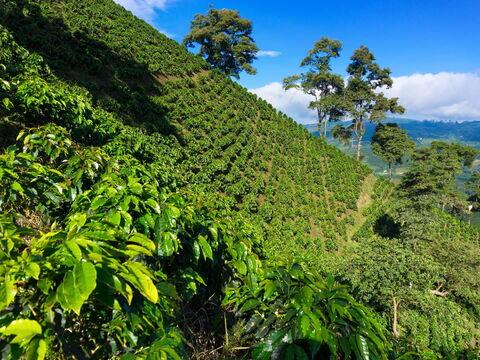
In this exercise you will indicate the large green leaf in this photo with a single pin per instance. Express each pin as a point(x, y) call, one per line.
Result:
point(137, 276)
point(362, 347)
point(8, 290)
point(23, 329)
point(77, 286)
point(32, 269)
point(205, 246)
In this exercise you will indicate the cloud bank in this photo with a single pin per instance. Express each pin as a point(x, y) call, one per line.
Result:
point(268, 53)
point(441, 96)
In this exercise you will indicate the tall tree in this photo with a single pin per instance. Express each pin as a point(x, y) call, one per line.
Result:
point(433, 172)
point(225, 41)
point(321, 83)
point(363, 94)
point(391, 144)
point(473, 188)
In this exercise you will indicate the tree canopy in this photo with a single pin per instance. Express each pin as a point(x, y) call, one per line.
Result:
point(364, 99)
point(391, 144)
point(473, 188)
point(434, 169)
point(318, 81)
point(225, 41)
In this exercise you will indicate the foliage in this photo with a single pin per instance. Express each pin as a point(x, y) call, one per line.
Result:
point(139, 122)
point(182, 122)
point(473, 187)
point(98, 259)
point(225, 41)
point(318, 81)
point(125, 251)
point(433, 172)
point(365, 101)
point(391, 144)
point(298, 317)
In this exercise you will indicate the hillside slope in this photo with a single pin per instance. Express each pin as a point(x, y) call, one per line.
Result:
point(102, 256)
point(215, 134)
point(137, 118)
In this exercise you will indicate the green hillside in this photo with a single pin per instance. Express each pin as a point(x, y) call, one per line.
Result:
point(220, 136)
point(152, 208)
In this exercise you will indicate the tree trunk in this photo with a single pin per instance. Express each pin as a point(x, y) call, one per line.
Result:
point(325, 127)
point(359, 131)
point(390, 171)
point(322, 132)
point(359, 146)
point(395, 331)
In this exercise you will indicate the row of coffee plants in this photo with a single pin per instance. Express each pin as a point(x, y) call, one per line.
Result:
point(218, 136)
point(100, 256)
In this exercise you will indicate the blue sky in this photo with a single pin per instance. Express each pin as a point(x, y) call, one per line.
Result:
point(432, 46)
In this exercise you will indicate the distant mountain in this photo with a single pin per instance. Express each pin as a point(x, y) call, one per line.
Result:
point(467, 131)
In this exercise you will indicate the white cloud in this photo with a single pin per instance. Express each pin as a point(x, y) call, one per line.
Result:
point(144, 9)
point(268, 53)
point(292, 102)
point(441, 96)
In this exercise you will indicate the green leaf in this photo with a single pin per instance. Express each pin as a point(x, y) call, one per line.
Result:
point(85, 278)
point(44, 285)
point(265, 349)
point(23, 329)
point(77, 286)
point(249, 305)
point(98, 202)
point(213, 232)
point(37, 350)
point(78, 219)
point(32, 269)
point(205, 246)
point(196, 250)
point(154, 205)
point(74, 249)
point(262, 352)
point(270, 288)
point(240, 266)
point(167, 244)
point(304, 325)
point(167, 289)
point(8, 290)
point(142, 240)
point(137, 276)
point(362, 347)
point(17, 187)
point(114, 218)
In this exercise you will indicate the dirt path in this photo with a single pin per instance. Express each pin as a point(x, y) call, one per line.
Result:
point(364, 201)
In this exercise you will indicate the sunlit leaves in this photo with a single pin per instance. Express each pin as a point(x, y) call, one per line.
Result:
point(77, 286)
point(23, 330)
point(139, 277)
point(37, 350)
point(117, 255)
point(8, 290)
point(296, 308)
